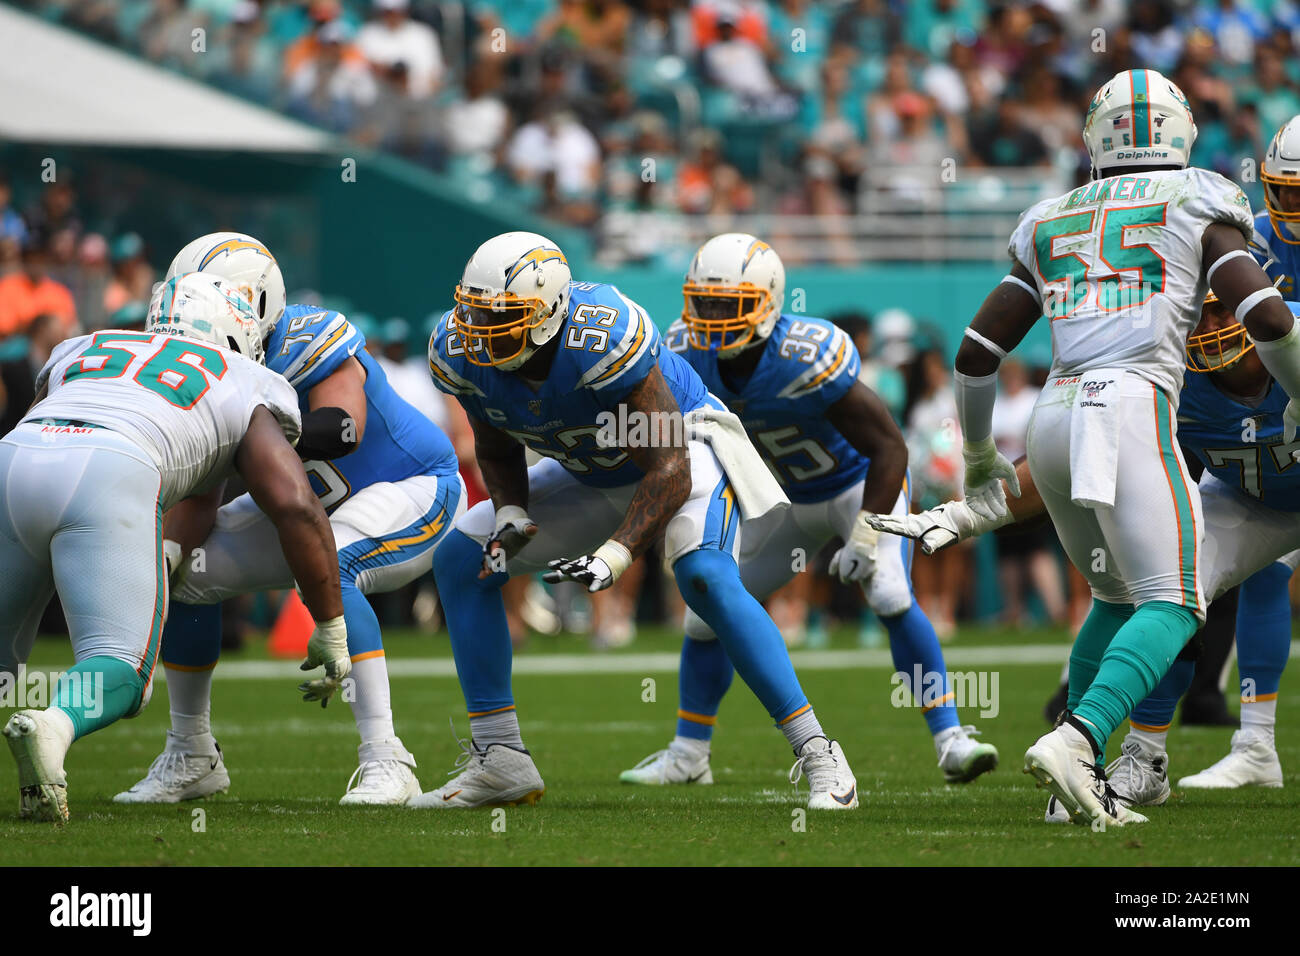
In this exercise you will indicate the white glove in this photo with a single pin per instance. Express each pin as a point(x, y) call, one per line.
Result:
point(172, 556)
point(328, 647)
point(984, 463)
point(514, 530)
point(596, 571)
point(953, 521)
point(856, 561)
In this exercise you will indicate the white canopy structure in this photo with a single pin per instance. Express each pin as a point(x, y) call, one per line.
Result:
point(59, 87)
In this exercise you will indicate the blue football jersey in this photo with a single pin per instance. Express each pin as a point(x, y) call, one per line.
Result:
point(807, 365)
point(607, 346)
point(1241, 444)
point(1280, 259)
point(308, 345)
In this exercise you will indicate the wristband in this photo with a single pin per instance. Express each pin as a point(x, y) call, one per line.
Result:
point(617, 557)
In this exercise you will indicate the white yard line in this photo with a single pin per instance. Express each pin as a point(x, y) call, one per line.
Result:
point(573, 664)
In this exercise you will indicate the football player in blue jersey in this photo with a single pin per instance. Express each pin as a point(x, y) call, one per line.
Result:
point(634, 451)
point(1276, 242)
point(387, 478)
point(1232, 421)
point(831, 442)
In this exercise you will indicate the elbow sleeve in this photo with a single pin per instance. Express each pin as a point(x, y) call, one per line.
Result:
point(328, 432)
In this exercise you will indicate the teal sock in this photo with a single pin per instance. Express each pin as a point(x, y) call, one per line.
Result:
point(1142, 652)
point(97, 691)
point(1099, 629)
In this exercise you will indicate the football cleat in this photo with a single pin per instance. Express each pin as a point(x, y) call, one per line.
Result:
point(1062, 762)
point(1139, 779)
point(831, 784)
point(961, 758)
point(498, 776)
point(39, 746)
point(180, 774)
point(385, 776)
point(1056, 813)
point(674, 764)
point(1251, 762)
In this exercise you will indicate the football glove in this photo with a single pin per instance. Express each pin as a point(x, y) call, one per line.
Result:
point(984, 510)
point(514, 530)
point(328, 647)
point(984, 463)
point(595, 571)
point(856, 561)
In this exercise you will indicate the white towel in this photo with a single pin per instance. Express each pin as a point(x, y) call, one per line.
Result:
point(757, 490)
point(1094, 437)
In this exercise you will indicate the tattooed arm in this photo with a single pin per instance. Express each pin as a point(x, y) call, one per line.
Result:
point(501, 460)
point(667, 481)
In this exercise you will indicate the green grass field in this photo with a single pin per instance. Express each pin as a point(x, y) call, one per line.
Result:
point(290, 761)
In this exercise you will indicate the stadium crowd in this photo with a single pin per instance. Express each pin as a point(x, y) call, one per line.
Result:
point(580, 107)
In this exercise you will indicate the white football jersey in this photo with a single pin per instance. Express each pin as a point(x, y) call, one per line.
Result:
point(187, 404)
point(1118, 265)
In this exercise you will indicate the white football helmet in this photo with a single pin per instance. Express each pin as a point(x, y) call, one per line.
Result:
point(1281, 167)
point(733, 294)
point(208, 308)
point(512, 298)
point(244, 261)
point(1139, 118)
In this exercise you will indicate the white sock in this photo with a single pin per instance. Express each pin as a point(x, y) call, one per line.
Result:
point(372, 705)
point(697, 749)
point(1260, 717)
point(499, 728)
point(63, 724)
point(1152, 742)
point(189, 698)
point(799, 730)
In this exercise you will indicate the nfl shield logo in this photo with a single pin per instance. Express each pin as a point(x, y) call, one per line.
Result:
point(535, 406)
point(1093, 389)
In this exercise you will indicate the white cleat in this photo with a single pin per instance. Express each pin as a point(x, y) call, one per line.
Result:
point(961, 758)
point(179, 774)
point(39, 745)
point(1252, 762)
point(381, 783)
point(1063, 763)
point(1056, 813)
point(675, 764)
point(831, 784)
point(385, 777)
point(1138, 778)
point(499, 776)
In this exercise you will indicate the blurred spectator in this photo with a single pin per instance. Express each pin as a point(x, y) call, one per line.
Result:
point(409, 375)
point(333, 87)
point(132, 282)
point(246, 61)
point(559, 154)
point(1024, 556)
point(393, 38)
point(934, 452)
point(748, 21)
point(998, 138)
point(55, 212)
point(738, 65)
point(477, 124)
point(708, 184)
point(882, 379)
point(30, 292)
point(12, 226)
point(870, 27)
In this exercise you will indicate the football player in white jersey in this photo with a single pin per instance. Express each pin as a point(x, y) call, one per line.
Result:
point(126, 425)
point(1120, 266)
